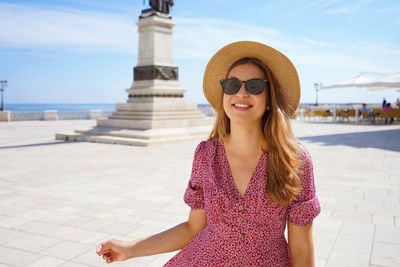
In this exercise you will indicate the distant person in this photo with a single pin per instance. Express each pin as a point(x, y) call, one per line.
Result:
point(386, 109)
point(384, 103)
point(398, 103)
point(370, 112)
point(251, 177)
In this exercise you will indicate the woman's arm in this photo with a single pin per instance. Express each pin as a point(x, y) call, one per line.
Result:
point(301, 244)
point(170, 240)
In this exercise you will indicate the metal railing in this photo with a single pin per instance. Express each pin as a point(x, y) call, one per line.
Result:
point(54, 115)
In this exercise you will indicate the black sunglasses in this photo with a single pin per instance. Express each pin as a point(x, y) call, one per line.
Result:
point(232, 85)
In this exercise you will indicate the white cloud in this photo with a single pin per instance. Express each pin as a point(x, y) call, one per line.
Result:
point(347, 7)
point(338, 11)
point(200, 38)
point(28, 27)
point(39, 30)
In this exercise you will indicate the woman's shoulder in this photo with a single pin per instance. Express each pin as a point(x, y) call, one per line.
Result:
point(303, 151)
point(207, 147)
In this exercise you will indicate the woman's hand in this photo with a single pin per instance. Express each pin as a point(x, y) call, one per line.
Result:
point(114, 250)
point(172, 239)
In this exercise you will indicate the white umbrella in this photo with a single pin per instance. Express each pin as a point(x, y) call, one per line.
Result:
point(387, 82)
point(362, 80)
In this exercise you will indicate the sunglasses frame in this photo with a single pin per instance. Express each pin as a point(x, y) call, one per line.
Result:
point(222, 82)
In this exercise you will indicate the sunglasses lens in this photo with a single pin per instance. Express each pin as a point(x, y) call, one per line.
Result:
point(231, 86)
point(255, 86)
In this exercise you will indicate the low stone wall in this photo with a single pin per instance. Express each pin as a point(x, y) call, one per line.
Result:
point(72, 114)
point(53, 115)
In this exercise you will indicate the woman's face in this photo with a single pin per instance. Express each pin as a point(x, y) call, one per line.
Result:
point(255, 105)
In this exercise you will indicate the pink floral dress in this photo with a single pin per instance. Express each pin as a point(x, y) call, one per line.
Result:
point(243, 230)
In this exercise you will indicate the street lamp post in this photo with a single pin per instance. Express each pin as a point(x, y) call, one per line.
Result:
point(317, 86)
point(3, 86)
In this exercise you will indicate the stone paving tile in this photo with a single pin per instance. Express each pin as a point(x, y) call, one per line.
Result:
point(36, 227)
point(381, 219)
point(70, 233)
point(73, 264)
point(96, 238)
point(95, 224)
point(118, 228)
point(6, 235)
point(16, 257)
point(320, 262)
point(352, 216)
point(67, 250)
point(10, 210)
point(343, 258)
point(361, 230)
point(353, 243)
point(46, 262)
point(32, 243)
point(323, 247)
point(58, 218)
point(384, 254)
point(387, 234)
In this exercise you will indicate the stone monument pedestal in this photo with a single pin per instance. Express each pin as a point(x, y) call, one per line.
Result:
point(156, 111)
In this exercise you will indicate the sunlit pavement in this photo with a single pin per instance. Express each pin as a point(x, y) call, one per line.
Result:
point(58, 200)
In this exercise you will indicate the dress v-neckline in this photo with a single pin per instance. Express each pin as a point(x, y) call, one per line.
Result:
point(230, 178)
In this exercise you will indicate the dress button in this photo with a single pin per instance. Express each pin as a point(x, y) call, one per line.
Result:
point(241, 235)
point(240, 207)
point(240, 219)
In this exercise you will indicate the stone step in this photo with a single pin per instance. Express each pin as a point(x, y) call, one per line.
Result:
point(105, 139)
point(157, 117)
point(157, 113)
point(155, 124)
point(147, 134)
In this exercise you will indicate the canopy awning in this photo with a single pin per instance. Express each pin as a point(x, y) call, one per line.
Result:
point(372, 81)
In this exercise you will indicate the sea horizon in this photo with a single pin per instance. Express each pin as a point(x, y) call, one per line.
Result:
point(111, 106)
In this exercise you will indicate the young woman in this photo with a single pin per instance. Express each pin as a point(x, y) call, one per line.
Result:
point(249, 179)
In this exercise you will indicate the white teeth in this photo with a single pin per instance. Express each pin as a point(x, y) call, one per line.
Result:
point(242, 105)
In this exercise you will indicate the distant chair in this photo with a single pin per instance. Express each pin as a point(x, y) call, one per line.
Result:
point(345, 114)
point(392, 115)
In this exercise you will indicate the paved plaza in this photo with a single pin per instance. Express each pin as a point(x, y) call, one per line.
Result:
point(58, 200)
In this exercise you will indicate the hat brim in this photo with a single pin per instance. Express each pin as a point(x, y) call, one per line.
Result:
point(282, 70)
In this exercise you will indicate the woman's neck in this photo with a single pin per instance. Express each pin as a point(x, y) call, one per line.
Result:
point(244, 140)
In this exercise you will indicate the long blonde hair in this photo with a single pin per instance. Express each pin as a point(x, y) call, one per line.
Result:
point(284, 153)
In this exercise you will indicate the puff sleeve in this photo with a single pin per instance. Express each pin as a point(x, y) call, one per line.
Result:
point(194, 191)
point(305, 207)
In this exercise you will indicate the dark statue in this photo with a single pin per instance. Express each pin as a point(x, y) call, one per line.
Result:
point(162, 6)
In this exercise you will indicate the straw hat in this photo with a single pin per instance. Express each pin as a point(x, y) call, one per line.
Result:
point(282, 71)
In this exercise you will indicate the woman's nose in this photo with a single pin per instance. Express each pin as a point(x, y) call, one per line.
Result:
point(242, 90)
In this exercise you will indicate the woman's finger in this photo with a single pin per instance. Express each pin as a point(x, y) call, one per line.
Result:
point(98, 249)
point(103, 247)
point(106, 255)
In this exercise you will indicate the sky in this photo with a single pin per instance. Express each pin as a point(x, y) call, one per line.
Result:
point(84, 51)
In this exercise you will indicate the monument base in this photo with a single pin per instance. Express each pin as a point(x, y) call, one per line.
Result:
point(108, 135)
point(149, 122)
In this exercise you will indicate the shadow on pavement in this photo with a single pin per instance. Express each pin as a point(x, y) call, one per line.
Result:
point(33, 145)
point(386, 139)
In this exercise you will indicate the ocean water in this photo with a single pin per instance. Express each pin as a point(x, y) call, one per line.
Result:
point(69, 107)
point(111, 107)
